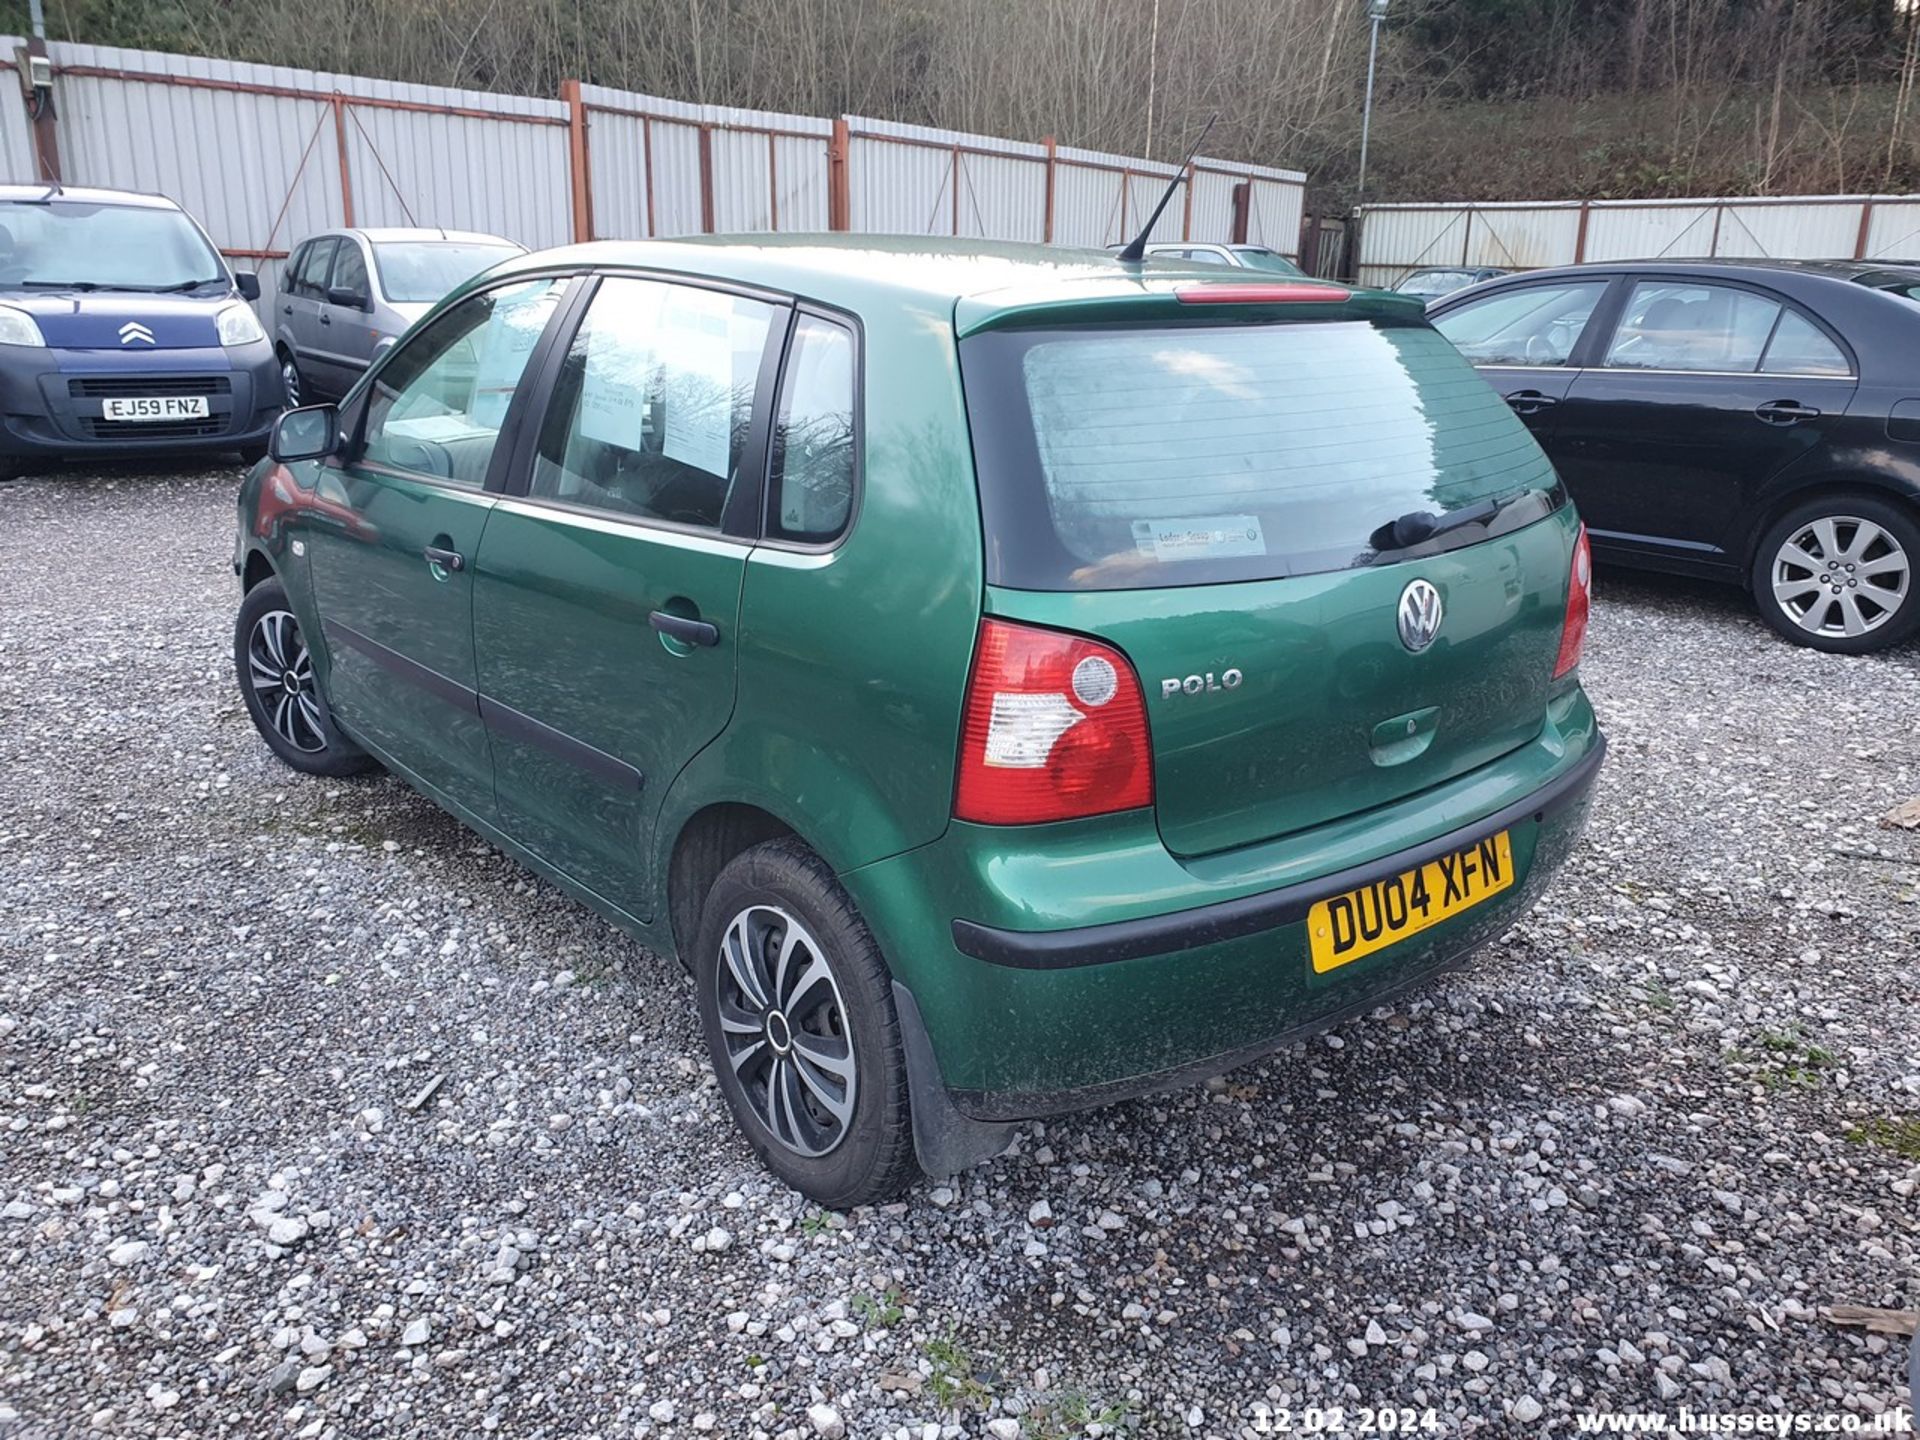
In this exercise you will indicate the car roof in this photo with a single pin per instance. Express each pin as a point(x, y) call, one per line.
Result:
point(85, 195)
point(849, 270)
point(418, 234)
point(1731, 268)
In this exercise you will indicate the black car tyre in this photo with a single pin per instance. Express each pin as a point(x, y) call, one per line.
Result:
point(275, 672)
point(1840, 573)
point(291, 380)
point(797, 1006)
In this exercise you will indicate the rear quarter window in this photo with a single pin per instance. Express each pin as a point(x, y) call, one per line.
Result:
point(1147, 457)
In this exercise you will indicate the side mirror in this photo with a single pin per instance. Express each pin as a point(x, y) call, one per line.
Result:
point(351, 299)
point(309, 433)
point(247, 283)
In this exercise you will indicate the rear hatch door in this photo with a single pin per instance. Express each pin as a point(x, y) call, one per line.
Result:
point(1243, 499)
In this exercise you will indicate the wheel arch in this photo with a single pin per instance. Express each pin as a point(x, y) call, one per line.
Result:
point(1829, 485)
point(705, 843)
point(256, 570)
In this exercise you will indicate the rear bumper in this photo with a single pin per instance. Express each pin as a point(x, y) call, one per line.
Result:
point(1022, 1018)
point(52, 401)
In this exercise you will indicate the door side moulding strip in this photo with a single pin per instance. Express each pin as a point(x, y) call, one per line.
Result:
point(508, 721)
point(516, 725)
point(412, 671)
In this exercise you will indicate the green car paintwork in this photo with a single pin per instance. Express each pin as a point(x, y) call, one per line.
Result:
point(831, 705)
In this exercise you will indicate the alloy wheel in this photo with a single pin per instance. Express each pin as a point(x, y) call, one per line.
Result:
point(280, 669)
point(290, 382)
point(1840, 575)
point(785, 1030)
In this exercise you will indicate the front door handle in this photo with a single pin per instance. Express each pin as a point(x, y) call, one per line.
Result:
point(444, 558)
point(1786, 412)
point(286, 309)
point(1530, 402)
point(325, 319)
point(688, 632)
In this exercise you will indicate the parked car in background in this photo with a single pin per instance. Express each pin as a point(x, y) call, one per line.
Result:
point(1430, 284)
point(345, 294)
point(1754, 421)
point(123, 333)
point(985, 749)
point(1244, 257)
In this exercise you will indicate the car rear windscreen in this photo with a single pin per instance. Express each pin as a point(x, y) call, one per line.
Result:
point(1115, 459)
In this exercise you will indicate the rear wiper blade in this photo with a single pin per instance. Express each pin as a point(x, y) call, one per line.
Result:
point(1418, 526)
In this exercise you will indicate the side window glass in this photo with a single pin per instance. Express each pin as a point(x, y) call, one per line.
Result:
point(651, 412)
point(1208, 257)
point(350, 268)
point(1670, 326)
point(292, 267)
point(1533, 325)
point(438, 405)
point(1799, 347)
point(813, 440)
point(311, 278)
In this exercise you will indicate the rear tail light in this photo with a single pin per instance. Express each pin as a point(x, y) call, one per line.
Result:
point(1055, 728)
point(1283, 293)
point(1573, 631)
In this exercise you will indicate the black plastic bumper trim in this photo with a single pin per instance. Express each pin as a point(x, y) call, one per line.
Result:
point(1251, 914)
point(459, 696)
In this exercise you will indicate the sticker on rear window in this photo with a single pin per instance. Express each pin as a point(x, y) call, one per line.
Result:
point(1205, 537)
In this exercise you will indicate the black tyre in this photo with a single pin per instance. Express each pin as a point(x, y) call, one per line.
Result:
point(291, 380)
point(1838, 573)
point(275, 671)
point(798, 1010)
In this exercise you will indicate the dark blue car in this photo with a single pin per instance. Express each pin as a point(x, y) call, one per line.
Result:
point(123, 333)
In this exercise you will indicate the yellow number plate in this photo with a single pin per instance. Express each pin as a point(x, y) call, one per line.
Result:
point(1376, 916)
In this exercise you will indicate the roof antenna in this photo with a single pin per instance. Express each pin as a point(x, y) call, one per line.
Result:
point(1137, 250)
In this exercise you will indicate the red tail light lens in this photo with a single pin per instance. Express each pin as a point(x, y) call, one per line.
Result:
point(1573, 632)
point(1280, 293)
point(1055, 728)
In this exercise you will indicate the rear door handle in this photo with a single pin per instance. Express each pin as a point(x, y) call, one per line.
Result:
point(1530, 402)
point(325, 319)
point(1786, 412)
point(445, 559)
point(286, 309)
point(689, 632)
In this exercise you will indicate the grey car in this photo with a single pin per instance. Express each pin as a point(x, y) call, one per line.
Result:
point(1207, 252)
point(347, 294)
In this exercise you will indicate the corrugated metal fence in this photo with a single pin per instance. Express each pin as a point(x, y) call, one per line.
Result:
point(265, 155)
point(1525, 235)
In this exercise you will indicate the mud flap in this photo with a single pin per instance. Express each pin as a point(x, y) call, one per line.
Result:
point(944, 1141)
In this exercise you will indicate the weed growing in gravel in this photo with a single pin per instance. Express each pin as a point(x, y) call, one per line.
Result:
point(953, 1384)
point(1902, 1137)
point(1072, 1414)
point(814, 1224)
point(881, 1311)
point(1658, 996)
point(1786, 1059)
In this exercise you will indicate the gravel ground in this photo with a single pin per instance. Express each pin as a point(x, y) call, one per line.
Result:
point(319, 1117)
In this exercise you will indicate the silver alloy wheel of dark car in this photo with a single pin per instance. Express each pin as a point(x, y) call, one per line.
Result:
point(784, 1026)
point(281, 672)
point(1840, 575)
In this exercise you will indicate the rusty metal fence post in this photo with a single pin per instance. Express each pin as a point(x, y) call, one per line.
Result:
point(839, 191)
point(346, 170)
point(578, 171)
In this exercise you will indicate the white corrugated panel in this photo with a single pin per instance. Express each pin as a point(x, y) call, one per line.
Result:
point(617, 175)
point(16, 131)
point(1893, 230)
point(1273, 215)
point(1622, 230)
point(900, 178)
point(503, 177)
point(1521, 237)
point(1003, 197)
point(1212, 213)
point(261, 170)
point(1102, 199)
point(1395, 240)
point(1793, 230)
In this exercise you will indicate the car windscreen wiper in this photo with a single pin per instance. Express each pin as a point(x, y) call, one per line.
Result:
point(60, 284)
point(1416, 527)
point(182, 285)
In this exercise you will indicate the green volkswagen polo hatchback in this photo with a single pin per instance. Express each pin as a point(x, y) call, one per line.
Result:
point(1010, 679)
